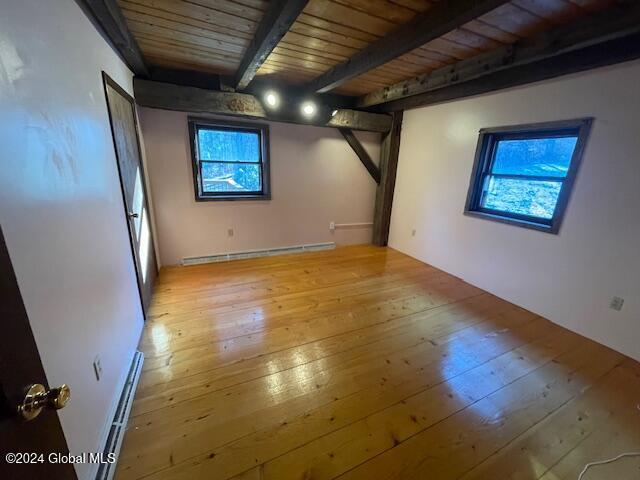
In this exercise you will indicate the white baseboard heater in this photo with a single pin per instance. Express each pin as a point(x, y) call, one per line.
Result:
point(267, 252)
point(106, 471)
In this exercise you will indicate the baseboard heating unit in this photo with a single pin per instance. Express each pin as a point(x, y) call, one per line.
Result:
point(267, 252)
point(119, 425)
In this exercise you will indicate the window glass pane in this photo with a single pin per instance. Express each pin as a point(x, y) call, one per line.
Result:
point(228, 146)
point(231, 178)
point(537, 156)
point(525, 197)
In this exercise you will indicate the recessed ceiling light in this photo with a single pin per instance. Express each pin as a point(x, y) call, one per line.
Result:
point(308, 109)
point(272, 99)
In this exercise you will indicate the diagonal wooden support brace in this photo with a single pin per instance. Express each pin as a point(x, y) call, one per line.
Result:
point(362, 154)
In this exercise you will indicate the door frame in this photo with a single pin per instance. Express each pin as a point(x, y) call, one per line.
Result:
point(108, 81)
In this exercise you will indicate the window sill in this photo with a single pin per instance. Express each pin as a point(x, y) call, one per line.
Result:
point(222, 198)
point(514, 221)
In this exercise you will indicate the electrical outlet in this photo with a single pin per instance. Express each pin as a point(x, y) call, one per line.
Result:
point(97, 367)
point(616, 303)
point(230, 232)
point(332, 226)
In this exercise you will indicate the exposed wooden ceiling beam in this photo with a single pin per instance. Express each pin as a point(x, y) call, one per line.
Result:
point(435, 22)
point(190, 78)
point(169, 96)
point(108, 17)
point(604, 38)
point(276, 21)
point(260, 85)
point(362, 154)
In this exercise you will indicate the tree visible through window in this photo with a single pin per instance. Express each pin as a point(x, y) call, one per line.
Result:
point(229, 160)
point(524, 174)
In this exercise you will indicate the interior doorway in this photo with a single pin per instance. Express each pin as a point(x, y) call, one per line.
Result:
point(124, 127)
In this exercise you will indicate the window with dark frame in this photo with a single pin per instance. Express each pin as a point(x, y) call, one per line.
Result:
point(230, 160)
point(523, 175)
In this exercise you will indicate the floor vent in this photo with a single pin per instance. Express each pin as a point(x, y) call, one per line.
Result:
point(119, 425)
point(226, 257)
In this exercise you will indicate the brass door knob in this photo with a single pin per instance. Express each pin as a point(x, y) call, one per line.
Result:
point(38, 397)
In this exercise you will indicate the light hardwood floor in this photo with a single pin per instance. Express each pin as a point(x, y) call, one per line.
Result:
point(363, 363)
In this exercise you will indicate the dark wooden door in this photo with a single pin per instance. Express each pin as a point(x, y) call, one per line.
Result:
point(20, 367)
point(122, 115)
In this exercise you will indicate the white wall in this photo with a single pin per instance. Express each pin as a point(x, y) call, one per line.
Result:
point(61, 207)
point(315, 179)
point(568, 278)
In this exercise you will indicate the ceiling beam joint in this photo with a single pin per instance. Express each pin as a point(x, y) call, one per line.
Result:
point(599, 39)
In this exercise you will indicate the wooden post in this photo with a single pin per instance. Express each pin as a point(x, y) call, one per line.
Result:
point(388, 168)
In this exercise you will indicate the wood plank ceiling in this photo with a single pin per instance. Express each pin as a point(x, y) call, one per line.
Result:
point(212, 35)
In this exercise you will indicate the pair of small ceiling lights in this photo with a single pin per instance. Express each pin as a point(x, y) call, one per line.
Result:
point(272, 99)
point(307, 108)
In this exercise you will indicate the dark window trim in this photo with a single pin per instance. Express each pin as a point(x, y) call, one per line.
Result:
point(262, 129)
point(484, 157)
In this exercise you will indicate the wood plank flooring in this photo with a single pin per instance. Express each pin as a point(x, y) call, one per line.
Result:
point(363, 363)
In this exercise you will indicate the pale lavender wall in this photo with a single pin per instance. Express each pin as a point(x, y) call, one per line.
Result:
point(61, 207)
point(568, 278)
point(315, 179)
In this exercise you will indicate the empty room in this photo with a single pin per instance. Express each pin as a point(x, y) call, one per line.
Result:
point(320, 239)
